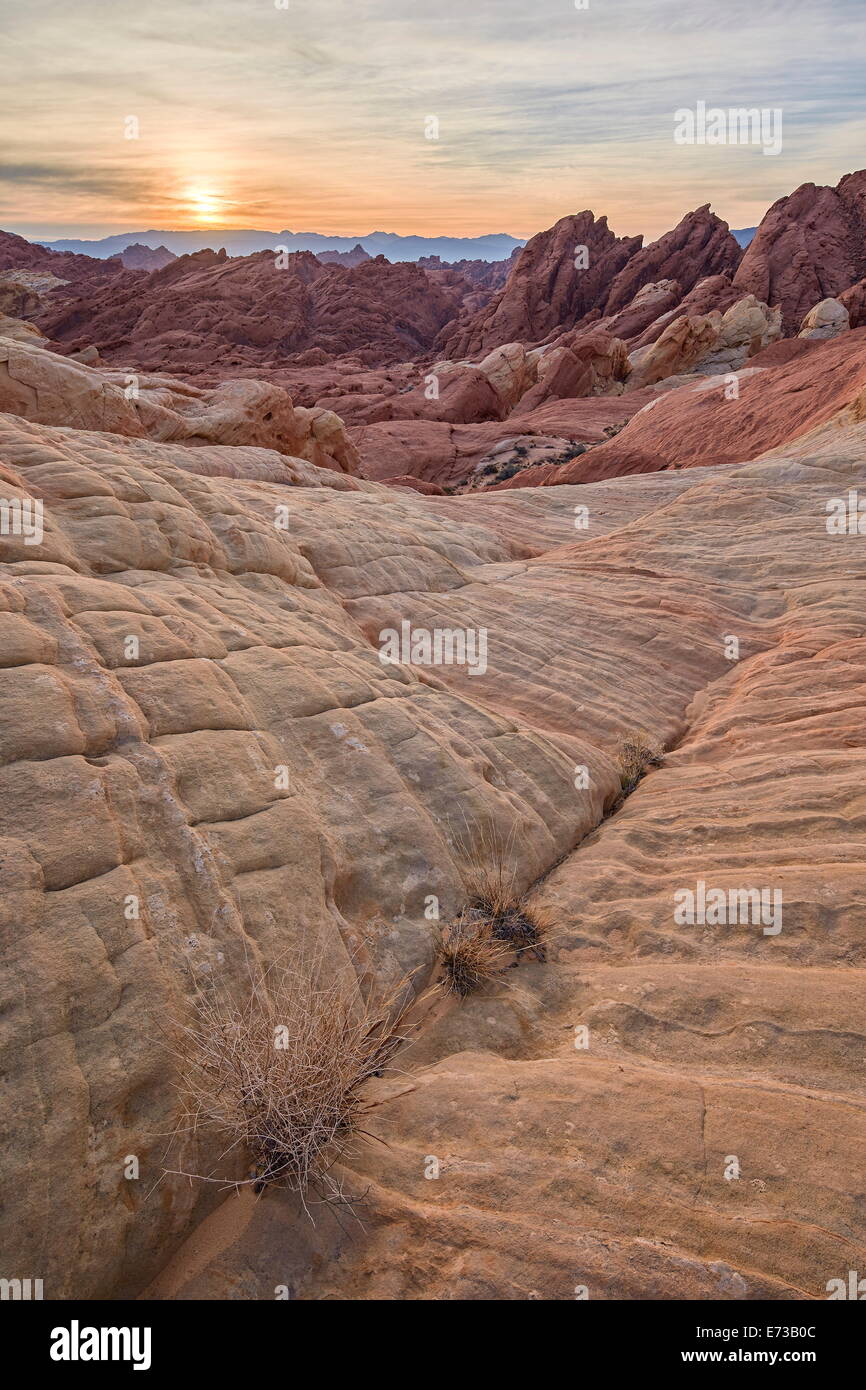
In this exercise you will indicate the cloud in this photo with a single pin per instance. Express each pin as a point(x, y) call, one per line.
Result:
point(317, 112)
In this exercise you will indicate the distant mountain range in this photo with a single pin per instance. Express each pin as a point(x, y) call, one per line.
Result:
point(496, 246)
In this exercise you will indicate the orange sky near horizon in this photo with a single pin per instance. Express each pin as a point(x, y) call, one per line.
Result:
point(450, 120)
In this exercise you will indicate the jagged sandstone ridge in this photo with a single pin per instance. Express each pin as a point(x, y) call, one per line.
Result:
point(809, 246)
point(154, 776)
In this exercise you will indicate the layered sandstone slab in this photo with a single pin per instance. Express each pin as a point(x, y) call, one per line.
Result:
point(153, 775)
point(702, 1144)
point(49, 389)
point(192, 723)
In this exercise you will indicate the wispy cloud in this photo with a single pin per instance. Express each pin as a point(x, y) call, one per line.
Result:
point(314, 115)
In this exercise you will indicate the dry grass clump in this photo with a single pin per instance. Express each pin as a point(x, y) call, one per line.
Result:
point(496, 922)
point(524, 928)
point(492, 888)
point(636, 752)
point(278, 1073)
point(469, 955)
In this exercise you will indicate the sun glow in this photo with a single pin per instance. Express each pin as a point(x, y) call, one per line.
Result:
point(204, 203)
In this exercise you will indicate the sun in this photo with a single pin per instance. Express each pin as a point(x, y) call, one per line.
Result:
point(204, 203)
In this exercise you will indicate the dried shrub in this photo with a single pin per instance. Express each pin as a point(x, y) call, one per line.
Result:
point(278, 1071)
point(497, 920)
point(636, 752)
point(469, 955)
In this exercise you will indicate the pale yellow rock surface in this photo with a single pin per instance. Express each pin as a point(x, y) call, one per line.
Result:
point(153, 775)
point(826, 320)
point(708, 343)
point(510, 370)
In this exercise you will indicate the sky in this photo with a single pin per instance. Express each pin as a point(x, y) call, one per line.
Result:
point(314, 115)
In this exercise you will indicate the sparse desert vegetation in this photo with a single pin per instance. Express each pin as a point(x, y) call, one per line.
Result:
point(636, 753)
point(277, 1070)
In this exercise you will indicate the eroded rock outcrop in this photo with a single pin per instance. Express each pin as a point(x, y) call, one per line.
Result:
point(810, 246)
point(775, 403)
point(208, 313)
point(138, 257)
point(827, 320)
point(49, 389)
point(698, 247)
point(560, 275)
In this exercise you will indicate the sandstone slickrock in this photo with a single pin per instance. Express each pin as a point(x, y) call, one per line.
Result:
point(194, 719)
point(603, 1166)
point(155, 777)
point(50, 389)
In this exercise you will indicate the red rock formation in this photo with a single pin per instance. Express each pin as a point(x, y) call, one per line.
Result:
point(206, 311)
point(696, 426)
point(416, 484)
point(18, 254)
point(714, 292)
point(357, 256)
point(546, 290)
point(810, 246)
point(854, 300)
point(578, 364)
point(138, 257)
point(448, 454)
point(653, 305)
point(486, 275)
point(699, 246)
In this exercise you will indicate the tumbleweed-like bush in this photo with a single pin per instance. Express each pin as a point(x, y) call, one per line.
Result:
point(278, 1071)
